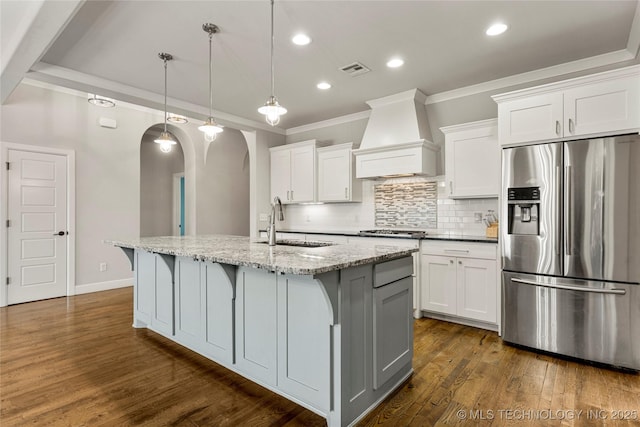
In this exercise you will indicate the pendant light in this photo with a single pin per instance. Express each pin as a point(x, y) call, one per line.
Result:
point(165, 139)
point(210, 128)
point(271, 109)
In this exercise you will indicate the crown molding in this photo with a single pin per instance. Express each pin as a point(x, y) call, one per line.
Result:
point(74, 80)
point(531, 76)
point(330, 122)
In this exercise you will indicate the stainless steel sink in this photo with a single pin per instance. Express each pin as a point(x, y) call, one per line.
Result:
point(300, 243)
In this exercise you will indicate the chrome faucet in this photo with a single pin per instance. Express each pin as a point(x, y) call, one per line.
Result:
point(271, 229)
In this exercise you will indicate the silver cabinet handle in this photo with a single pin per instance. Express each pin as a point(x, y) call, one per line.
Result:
point(346, 191)
point(292, 195)
point(288, 194)
point(557, 127)
point(569, 287)
point(450, 187)
point(572, 126)
point(462, 251)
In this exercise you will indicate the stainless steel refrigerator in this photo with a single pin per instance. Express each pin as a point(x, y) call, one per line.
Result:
point(571, 248)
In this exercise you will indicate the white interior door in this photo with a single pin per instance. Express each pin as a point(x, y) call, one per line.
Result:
point(37, 213)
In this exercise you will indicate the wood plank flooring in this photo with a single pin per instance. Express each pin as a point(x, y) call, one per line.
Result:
point(78, 362)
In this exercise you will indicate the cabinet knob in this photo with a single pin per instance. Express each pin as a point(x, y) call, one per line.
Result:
point(450, 261)
point(460, 262)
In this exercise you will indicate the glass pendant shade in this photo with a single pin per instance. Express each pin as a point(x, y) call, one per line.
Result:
point(166, 141)
point(272, 111)
point(211, 129)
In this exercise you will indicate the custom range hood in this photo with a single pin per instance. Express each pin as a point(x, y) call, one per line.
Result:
point(396, 141)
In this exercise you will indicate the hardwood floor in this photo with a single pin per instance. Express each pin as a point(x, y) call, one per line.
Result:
point(78, 362)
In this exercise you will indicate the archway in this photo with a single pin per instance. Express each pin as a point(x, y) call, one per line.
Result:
point(223, 186)
point(162, 190)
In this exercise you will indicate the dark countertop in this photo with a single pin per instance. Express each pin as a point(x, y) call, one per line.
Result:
point(435, 235)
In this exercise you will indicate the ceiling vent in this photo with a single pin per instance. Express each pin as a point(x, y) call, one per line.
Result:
point(355, 69)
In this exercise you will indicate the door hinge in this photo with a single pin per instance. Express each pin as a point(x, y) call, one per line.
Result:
point(8, 280)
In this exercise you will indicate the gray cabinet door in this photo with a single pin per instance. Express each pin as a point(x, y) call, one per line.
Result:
point(218, 310)
point(188, 297)
point(162, 314)
point(304, 341)
point(256, 322)
point(145, 279)
point(392, 329)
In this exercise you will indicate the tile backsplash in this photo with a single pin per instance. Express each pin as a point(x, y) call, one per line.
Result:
point(412, 205)
point(419, 206)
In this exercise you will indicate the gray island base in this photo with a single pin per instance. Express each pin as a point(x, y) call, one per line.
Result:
point(329, 328)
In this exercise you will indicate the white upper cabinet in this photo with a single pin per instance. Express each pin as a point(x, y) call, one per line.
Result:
point(336, 181)
point(293, 172)
point(594, 105)
point(472, 159)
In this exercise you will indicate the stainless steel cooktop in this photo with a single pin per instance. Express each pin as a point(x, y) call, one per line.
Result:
point(391, 232)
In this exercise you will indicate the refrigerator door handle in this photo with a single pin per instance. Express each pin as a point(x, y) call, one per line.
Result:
point(569, 287)
point(568, 210)
point(558, 245)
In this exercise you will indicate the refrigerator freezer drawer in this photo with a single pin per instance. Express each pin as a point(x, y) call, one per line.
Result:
point(590, 320)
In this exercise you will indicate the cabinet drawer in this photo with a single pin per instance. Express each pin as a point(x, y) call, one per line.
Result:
point(459, 249)
point(391, 271)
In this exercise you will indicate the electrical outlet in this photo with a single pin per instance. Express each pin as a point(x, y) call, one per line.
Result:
point(264, 217)
point(103, 266)
point(477, 216)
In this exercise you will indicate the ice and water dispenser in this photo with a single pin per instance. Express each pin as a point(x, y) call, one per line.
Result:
point(523, 208)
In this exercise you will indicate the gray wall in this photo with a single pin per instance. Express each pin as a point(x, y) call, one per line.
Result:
point(107, 169)
point(108, 174)
point(222, 186)
point(156, 186)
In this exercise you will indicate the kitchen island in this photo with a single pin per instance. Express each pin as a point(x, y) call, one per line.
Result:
point(328, 326)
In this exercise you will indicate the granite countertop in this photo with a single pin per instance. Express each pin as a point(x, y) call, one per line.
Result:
point(244, 251)
point(431, 235)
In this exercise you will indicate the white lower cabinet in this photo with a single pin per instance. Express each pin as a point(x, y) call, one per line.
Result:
point(460, 279)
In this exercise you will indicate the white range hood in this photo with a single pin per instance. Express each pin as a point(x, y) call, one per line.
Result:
point(397, 139)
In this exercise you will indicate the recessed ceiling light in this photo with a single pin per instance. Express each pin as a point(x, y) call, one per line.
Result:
point(301, 39)
point(395, 63)
point(323, 85)
point(496, 29)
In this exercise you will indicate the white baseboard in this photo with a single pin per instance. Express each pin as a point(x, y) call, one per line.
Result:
point(103, 286)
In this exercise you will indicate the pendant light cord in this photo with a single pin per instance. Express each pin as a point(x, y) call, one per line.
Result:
point(210, 72)
point(273, 84)
point(165, 95)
